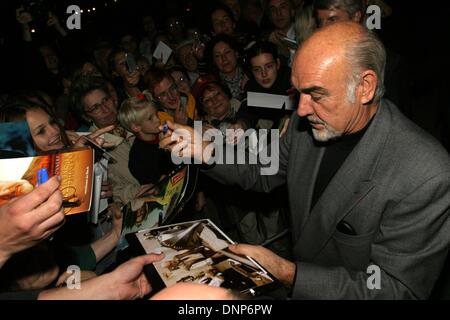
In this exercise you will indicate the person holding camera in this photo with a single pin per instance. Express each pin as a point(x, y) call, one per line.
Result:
point(125, 74)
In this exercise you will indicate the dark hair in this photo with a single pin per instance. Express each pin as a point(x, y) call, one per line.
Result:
point(209, 85)
point(17, 107)
point(154, 76)
point(178, 68)
point(261, 47)
point(220, 6)
point(227, 39)
point(81, 87)
point(217, 39)
point(112, 60)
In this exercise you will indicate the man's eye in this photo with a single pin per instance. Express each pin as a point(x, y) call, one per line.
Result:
point(316, 97)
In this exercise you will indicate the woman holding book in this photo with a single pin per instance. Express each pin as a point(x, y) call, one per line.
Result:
point(68, 246)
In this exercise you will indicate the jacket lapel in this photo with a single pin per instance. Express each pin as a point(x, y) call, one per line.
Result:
point(302, 187)
point(352, 182)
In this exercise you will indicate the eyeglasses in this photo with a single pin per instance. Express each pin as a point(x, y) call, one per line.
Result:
point(95, 109)
point(267, 67)
point(171, 91)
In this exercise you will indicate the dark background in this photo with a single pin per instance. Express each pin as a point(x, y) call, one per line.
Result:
point(419, 33)
point(414, 31)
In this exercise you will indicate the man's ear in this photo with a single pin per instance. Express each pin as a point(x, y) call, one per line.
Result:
point(278, 63)
point(368, 86)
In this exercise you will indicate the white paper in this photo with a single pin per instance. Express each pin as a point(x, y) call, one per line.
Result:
point(266, 100)
point(162, 50)
point(98, 204)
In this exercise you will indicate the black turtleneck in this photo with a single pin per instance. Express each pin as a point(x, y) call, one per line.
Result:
point(335, 154)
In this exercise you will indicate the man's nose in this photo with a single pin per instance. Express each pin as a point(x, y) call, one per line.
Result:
point(53, 130)
point(305, 105)
point(264, 72)
point(104, 107)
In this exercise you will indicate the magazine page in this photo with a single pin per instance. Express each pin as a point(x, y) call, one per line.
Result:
point(156, 206)
point(19, 176)
point(196, 251)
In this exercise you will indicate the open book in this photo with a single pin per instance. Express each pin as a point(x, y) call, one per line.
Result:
point(19, 176)
point(160, 204)
point(197, 251)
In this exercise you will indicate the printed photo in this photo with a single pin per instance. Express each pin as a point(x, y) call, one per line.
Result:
point(197, 251)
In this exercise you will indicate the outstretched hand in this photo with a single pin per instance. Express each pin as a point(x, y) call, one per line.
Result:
point(184, 142)
point(128, 281)
point(81, 141)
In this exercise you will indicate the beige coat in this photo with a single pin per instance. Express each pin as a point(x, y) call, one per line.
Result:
point(125, 186)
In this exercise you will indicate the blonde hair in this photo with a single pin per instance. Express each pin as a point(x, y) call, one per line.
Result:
point(305, 23)
point(134, 110)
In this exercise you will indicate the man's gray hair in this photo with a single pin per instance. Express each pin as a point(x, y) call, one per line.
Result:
point(366, 53)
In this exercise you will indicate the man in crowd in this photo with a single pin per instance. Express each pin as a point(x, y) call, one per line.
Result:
point(281, 15)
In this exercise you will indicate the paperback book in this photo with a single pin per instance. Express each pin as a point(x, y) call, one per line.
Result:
point(160, 203)
point(19, 176)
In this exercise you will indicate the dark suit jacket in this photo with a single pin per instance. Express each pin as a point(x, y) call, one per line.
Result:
point(393, 188)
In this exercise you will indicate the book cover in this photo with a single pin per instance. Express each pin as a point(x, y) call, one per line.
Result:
point(19, 176)
point(197, 251)
point(159, 204)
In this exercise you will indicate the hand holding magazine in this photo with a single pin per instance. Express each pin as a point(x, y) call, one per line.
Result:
point(160, 203)
point(197, 251)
